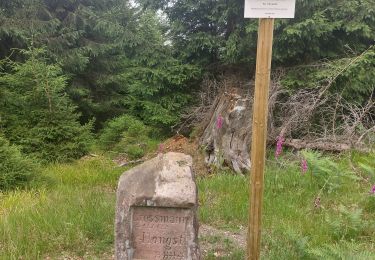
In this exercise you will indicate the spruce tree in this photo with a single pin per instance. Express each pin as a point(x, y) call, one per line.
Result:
point(36, 112)
point(117, 56)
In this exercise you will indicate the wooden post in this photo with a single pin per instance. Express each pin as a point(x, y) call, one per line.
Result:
point(259, 135)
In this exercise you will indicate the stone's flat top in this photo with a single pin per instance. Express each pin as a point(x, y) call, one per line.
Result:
point(175, 179)
point(160, 233)
point(165, 180)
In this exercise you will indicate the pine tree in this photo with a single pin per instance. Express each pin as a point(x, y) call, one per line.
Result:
point(215, 31)
point(115, 56)
point(36, 112)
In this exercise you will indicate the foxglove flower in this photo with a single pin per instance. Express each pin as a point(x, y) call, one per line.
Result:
point(372, 190)
point(279, 146)
point(304, 166)
point(219, 122)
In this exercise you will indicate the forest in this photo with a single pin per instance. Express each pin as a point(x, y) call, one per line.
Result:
point(89, 88)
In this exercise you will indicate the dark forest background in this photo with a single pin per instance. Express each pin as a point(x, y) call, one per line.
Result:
point(78, 74)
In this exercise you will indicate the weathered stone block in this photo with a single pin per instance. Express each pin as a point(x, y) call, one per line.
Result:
point(156, 211)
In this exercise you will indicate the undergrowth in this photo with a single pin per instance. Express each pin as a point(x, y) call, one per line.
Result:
point(326, 212)
point(16, 170)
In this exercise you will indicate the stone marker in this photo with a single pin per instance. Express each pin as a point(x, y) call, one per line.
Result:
point(156, 211)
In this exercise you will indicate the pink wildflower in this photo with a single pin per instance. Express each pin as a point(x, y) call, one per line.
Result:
point(373, 190)
point(219, 122)
point(304, 166)
point(279, 145)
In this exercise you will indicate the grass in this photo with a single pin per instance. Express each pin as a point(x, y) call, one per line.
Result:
point(69, 212)
point(73, 214)
point(342, 227)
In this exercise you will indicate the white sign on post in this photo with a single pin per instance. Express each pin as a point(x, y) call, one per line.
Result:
point(270, 8)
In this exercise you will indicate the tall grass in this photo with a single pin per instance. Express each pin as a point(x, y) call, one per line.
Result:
point(74, 213)
point(295, 224)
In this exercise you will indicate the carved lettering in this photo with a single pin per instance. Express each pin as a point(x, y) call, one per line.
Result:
point(160, 233)
point(161, 219)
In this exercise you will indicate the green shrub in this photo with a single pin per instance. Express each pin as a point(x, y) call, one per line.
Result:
point(15, 169)
point(134, 152)
point(114, 130)
point(127, 135)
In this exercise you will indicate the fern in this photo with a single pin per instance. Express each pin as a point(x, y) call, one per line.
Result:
point(342, 251)
point(326, 172)
point(348, 223)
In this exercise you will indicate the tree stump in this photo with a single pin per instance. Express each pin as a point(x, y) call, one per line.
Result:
point(226, 138)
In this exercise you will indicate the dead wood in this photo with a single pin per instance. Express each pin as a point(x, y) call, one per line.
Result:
point(225, 130)
point(317, 145)
point(310, 118)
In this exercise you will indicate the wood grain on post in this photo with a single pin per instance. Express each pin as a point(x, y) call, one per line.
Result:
point(259, 135)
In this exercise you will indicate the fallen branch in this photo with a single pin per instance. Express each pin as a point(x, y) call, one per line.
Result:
point(322, 145)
